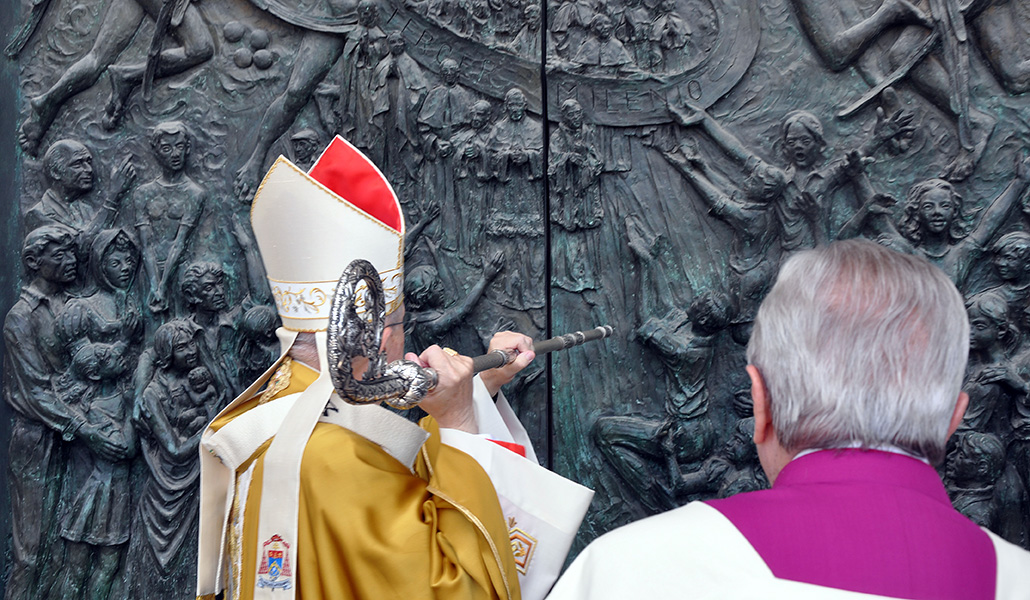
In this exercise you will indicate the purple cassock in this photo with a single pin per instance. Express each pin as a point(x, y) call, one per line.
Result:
point(867, 521)
point(843, 524)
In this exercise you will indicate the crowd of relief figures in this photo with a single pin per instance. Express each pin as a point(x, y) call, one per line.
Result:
point(642, 163)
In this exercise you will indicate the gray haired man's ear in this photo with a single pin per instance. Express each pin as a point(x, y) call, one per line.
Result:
point(771, 453)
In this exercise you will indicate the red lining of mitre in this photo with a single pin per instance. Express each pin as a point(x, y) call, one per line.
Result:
point(352, 176)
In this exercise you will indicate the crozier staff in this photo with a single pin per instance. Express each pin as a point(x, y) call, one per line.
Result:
point(303, 495)
point(355, 333)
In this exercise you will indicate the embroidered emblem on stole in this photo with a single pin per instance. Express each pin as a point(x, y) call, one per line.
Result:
point(274, 571)
point(522, 546)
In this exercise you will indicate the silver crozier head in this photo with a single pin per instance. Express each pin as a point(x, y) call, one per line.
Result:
point(356, 320)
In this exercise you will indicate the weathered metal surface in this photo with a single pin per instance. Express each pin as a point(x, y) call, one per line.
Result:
point(656, 159)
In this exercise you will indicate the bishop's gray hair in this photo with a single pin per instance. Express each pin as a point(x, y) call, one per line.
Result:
point(861, 345)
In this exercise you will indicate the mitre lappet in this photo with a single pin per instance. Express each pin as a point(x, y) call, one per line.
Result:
point(309, 226)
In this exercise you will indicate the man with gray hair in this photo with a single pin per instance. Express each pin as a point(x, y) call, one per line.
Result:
point(856, 363)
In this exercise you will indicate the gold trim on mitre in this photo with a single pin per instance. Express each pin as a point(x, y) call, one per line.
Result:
point(308, 235)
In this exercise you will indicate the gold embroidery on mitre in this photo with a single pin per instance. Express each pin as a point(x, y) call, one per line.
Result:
point(300, 301)
point(280, 380)
point(522, 546)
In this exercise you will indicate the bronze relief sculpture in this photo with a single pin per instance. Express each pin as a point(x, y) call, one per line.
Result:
point(644, 163)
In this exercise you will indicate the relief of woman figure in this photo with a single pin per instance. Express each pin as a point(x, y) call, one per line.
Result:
point(164, 537)
point(100, 332)
point(167, 211)
point(935, 225)
point(111, 313)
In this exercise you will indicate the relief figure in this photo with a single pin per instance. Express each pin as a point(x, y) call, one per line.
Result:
point(430, 319)
point(111, 313)
point(1019, 444)
point(574, 178)
point(41, 420)
point(992, 381)
point(650, 454)
point(601, 53)
point(473, 177)
point(634, 29)
point(163, 549)
point(96, 508)
point(259, 346)
point(941, 77)
point(974, 466)
point(68, 166)
point(526, 42)
point(750, 212)
point(515, 154)
point(735, 469)
point(102, 333)
point(505, 19)
point(935, 224)
point(203, 290)
point(304, 147)
point(447, 109)
point(1011, 261)
point(984, 487)
point(122, 21)
point(474, 20)
point(804, 210)
point(167, 211)
point(669, 36)
point(569, 25)
point(398, 89)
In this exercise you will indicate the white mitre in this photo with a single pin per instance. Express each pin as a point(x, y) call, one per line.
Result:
point(309, 227)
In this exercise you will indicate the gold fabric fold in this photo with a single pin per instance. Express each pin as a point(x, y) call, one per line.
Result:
point(371, 529)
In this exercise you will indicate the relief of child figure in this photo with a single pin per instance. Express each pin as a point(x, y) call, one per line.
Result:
point(1011, 260)
point(258, 344)
point(984, 488)
point(204, 400)
point(974, 466)
point(992, 381)
point(95, 495)
point(937, 224)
